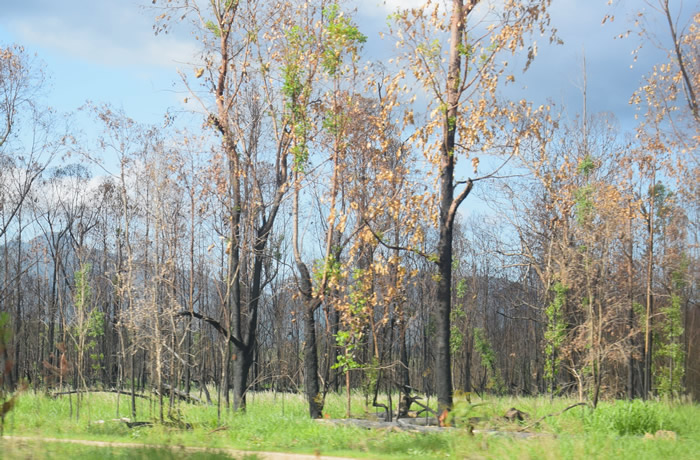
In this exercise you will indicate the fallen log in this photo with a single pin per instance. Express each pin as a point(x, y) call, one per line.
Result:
point(179, 394)
point(552, 415)
point(126, 421)
point(515, 415)
point(203, 388)
point(420, 421)
point(398, 425)
point(408, 425)
point(411, 425)
point(122, 392)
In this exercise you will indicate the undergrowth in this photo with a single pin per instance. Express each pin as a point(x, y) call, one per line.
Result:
point(640, 417)
point(279, 422)
point(627, 417)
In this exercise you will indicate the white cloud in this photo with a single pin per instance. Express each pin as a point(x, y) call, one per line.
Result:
point(384, 7)
point(113, 35)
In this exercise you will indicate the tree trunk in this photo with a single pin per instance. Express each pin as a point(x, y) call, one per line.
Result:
point(242, 362)
point(468, 364)
point(649, 292)
point(311, 383)
point(133, 385)
point(52, 311)
point(18, 307)
point(443, 369)
point(448, 208)
point(188, 357)
point(225, 371)
point(403, 351)
point(333, 348)
point(630, 316)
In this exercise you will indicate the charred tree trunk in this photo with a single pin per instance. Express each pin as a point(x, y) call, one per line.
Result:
point(312, 387)
point(403, 375)
point(311, 383)
point(333, 355)
point(133, 384)
point(448, 205)
point(468, 364)
point(648, 345)
point(630, 317)
point(188, 357)
point(241, 367)
point(15, 375)
point(443, 368)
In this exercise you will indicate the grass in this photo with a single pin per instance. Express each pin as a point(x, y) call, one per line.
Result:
point(31, 450)
point(279, 422)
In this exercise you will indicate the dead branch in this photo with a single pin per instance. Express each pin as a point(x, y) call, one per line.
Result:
point(215, 324)
point(71, 392)
point(552, 415)
point(179, 394)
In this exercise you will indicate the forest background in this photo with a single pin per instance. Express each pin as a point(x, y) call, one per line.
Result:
point(311, 206)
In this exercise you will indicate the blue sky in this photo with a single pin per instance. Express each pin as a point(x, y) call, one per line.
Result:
point(105, 51)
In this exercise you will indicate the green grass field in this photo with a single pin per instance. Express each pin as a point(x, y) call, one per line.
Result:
point(280, 423)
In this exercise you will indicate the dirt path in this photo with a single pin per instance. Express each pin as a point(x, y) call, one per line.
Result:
point(232, 452)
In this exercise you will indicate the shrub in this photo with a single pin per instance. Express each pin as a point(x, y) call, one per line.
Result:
point(626, 418)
